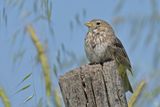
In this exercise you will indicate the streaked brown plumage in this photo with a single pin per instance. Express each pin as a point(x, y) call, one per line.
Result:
point(102, 45)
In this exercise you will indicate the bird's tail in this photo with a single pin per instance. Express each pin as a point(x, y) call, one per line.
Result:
point(123, 74)
point(127, 85)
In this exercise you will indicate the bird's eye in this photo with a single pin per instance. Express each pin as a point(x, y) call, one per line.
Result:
point(98, 23)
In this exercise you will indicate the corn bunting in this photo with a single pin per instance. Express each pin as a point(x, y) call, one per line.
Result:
point(101, 45)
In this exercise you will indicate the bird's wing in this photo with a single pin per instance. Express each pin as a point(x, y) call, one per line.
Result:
point(120, 54)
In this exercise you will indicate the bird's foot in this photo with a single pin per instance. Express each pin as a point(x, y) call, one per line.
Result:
point(107, 60)
point(93, 63)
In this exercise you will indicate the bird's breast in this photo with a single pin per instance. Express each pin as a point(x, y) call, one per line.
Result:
point(96, 47)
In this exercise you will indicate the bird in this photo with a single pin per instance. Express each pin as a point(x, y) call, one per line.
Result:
point(102, 45)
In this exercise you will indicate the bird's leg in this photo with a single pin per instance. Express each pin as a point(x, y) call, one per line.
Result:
point(109, 59)
point(93, 63)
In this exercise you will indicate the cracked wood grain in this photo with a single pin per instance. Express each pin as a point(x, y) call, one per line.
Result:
point(93, 86)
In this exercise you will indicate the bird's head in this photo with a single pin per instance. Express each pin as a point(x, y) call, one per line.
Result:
point(97, 24)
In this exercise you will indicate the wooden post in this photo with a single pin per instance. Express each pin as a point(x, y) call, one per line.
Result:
point(93, 86)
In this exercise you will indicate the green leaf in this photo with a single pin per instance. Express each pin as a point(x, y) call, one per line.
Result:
point(28, 98)
point(23, 88)
point(25, 78)
point(55, 70)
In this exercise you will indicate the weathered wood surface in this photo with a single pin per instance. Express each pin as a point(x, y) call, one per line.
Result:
point(93, 86)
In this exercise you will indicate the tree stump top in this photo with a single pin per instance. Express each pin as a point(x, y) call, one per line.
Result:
point(93, 86)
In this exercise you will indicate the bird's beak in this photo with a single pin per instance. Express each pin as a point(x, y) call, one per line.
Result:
point(88, 24)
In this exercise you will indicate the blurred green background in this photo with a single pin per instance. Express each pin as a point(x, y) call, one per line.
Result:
point(42, 39)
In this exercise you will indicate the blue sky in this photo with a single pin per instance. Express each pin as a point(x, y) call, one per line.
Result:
point(63, 13)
